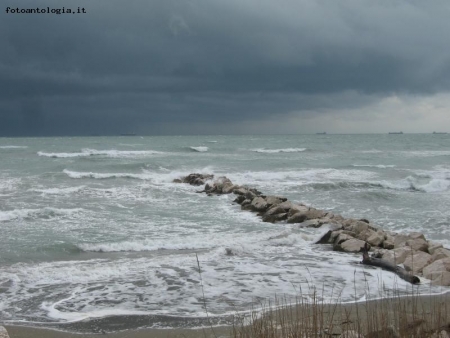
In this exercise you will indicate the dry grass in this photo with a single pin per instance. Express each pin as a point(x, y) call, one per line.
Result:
point(390, 316)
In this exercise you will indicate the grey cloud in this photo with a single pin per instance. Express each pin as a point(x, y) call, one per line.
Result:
point(142, 64)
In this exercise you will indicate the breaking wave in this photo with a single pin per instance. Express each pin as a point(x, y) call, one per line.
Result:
point(13, 147)
point(381, 166)
point(284, 150)
point(108, 153)
point(36, 213)
point(199, 149)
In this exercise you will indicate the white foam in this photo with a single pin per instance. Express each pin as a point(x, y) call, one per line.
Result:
point(211, 141)
point(200, 149)
point(284, 150)
point(113, 153)
point(13, 147)
point(381, 166)
point(78, 175)
point(425, 153)
point(301, 176)
point(371, 151)
point(36, 213)
point(60, 191)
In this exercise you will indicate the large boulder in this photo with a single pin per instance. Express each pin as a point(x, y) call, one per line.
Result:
point(440, 253)
point(276, 209)
point(197, 179)
point(436, 268)
point(274, 200)
point(376, 239)
point(297, 208)
point(259, 204)
point(358, 226)
point(275, 217)
point(442, 278)
point(418, 244)
point(400, 240)
point(352, 245)
point(417, 261)
point(416, 235)
point(433, 246)
point(240, 191)
point(398, 255)
point(298, 217)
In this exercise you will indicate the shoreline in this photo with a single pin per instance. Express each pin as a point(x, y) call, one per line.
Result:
point(357, 313)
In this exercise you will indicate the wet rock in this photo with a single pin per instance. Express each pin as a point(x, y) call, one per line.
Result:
point(239, 199)
point(240, 191)
point(432, 247)
point(436, 268)
point(398, 255)
point(364, 220)
point(400, 240)
point(365, 234)
point(259, 204)
point(274, 200)
point(376, 239)
point(275, 218)
point(197, 179)
point(440, 253)
point(442, 278)
point(297, 208)
point(358, 226)
point(276, 209)
point(298, 217)
point(418, 244)
point(417, 261)
point(416, 235)
point(352, 245)
point(342, 238)
point(177, 180)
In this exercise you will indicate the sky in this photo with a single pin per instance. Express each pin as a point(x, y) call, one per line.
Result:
point(224, 67)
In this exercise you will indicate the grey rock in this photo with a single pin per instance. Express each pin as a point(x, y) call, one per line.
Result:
point(352, 245)
point(398, 255)
point(376, 239)
point(433, 246)
point(418, 244)
point(436, 268)
point(416, 235)
point(440, 253)
point(417, 261)
point(259, 204)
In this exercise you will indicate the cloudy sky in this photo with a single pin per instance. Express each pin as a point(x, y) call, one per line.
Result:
point(225, 67)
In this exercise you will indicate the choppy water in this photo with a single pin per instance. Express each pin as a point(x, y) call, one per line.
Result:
point(91, 227)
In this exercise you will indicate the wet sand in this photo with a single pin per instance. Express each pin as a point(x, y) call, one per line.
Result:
point(337, 317)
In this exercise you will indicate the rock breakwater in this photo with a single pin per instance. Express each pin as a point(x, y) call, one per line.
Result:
point(418, 255)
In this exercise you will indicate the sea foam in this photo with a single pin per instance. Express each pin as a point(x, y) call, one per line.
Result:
point(113, 153)
point(284, 150)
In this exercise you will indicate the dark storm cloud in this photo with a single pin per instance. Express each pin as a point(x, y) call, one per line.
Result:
point(139, 65)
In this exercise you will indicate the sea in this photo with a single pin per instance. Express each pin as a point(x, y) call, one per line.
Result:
point(94, 227)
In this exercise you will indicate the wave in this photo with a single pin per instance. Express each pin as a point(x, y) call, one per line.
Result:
point(108, 153)
point(77, 174)
point(13, 147)
point(199, 149)
point(36, 213)
point(381, 166)
point(144, 245)
point(162, 176)
point(284, 150)
point(59, 191)
point(409, 183)
point(371, 151)
point(211, 141)
point(425, 153)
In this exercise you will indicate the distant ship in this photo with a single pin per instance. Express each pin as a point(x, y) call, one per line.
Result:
point(322, 133)
point(438, 132)
point(128, 134)
point(396, 132)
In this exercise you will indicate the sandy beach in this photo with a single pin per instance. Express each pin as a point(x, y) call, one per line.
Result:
point(432, 312)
